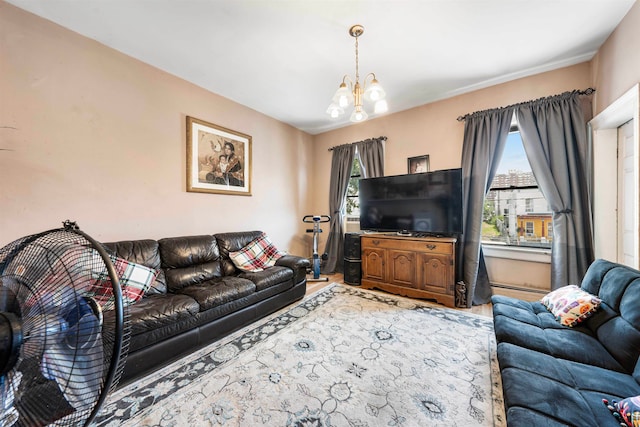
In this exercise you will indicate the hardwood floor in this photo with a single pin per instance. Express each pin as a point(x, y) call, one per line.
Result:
point(483, 310)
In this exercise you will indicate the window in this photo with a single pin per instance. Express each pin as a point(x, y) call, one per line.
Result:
point(352, 205)
point(528, 229)
point(515, 211)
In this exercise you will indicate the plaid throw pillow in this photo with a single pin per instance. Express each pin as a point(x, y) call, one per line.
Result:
point(135, 280)
point(257, 255)
point(570, 304)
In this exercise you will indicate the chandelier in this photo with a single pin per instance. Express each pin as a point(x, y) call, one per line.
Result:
point(370, 91)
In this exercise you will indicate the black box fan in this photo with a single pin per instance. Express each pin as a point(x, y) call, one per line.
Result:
point(61, 352)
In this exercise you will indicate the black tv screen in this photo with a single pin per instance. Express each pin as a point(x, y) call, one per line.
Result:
point(429, 203)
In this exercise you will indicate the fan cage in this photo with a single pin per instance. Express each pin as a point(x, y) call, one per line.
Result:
point(72, 327)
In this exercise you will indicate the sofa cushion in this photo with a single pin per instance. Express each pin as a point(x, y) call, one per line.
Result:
point(579, 376)
point(157, 311)
point(189, 260)
point(532, 313)
point(523, 417)
point(257, 255)
point(530, 325)
point(143, 252)
point(269, 277)
point(219, 291)
point(159, 317)
point(556, 390)
point(570, 305)
point(530, 397)
point(617, 323)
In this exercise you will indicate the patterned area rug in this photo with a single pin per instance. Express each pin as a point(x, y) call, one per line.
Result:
point(341, 357)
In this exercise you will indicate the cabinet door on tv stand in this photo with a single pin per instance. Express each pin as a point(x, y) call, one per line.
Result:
point(373, 264)
point(402, 268)
point(435, 273)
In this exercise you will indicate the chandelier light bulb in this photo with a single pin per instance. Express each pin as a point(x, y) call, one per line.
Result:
point(380, 107)
point(358, 115)
point(334, 110)
point(374, 91)
point(343, 96)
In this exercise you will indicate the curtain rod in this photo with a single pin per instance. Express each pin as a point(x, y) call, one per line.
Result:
point(587, 91)
point(383, 138)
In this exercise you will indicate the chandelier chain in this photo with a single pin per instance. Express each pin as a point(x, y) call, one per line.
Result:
point(357, 66)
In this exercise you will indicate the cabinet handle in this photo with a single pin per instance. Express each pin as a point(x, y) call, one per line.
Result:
point(375, 242)
point(431, 246)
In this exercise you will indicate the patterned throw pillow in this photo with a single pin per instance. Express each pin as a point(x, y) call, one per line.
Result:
point(257, 255)
point(627, 411)
point(135, 280)
point(570, 304)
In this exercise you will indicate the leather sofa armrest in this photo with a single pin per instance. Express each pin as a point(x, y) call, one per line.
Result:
point(298, 264)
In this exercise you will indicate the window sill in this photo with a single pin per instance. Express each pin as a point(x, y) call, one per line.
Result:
point(518, 253)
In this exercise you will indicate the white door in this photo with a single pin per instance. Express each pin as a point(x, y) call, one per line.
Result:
point(627, 200)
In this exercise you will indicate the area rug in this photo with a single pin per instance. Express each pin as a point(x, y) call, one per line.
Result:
point(341, 357)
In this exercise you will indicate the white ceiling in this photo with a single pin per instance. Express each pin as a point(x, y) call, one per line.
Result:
point(286, 58)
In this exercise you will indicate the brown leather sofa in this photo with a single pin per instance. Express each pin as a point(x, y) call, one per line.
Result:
point(199, 296)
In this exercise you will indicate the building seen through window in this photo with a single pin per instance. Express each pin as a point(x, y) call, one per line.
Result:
point(515, 211)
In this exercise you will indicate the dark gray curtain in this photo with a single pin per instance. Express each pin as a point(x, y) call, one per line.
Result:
point(371, 152)
point(340, 173)
point(485, 135)
point(554, 134)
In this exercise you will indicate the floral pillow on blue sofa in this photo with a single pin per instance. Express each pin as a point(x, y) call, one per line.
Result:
point(570, 304)
point(626, 411)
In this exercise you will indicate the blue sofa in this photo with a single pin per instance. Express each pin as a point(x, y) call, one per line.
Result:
point(554, 375)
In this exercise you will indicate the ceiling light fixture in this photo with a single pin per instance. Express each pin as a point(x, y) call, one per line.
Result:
point(355, 93)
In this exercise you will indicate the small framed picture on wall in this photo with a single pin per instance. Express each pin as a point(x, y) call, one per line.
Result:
point(418, 164)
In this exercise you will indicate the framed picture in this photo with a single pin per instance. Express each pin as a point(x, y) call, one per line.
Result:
point(418, 164)
point(218, 159)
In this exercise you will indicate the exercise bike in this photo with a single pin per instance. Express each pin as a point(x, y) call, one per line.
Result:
point(316, 220)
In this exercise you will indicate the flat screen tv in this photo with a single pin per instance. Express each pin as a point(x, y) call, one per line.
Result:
point(423, 203)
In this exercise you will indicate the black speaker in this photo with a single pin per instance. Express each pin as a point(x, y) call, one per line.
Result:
point(352, 271)
point(352, 258)
point(352, 246)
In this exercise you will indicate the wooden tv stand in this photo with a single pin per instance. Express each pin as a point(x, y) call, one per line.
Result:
point(417, 267)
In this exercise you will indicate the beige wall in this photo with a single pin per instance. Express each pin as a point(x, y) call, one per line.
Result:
point(98, 137)
point(616, 66)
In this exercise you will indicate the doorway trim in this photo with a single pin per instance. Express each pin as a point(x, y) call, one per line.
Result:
point(605, 142)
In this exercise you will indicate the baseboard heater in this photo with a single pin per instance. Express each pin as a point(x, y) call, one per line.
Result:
point(518, 288)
